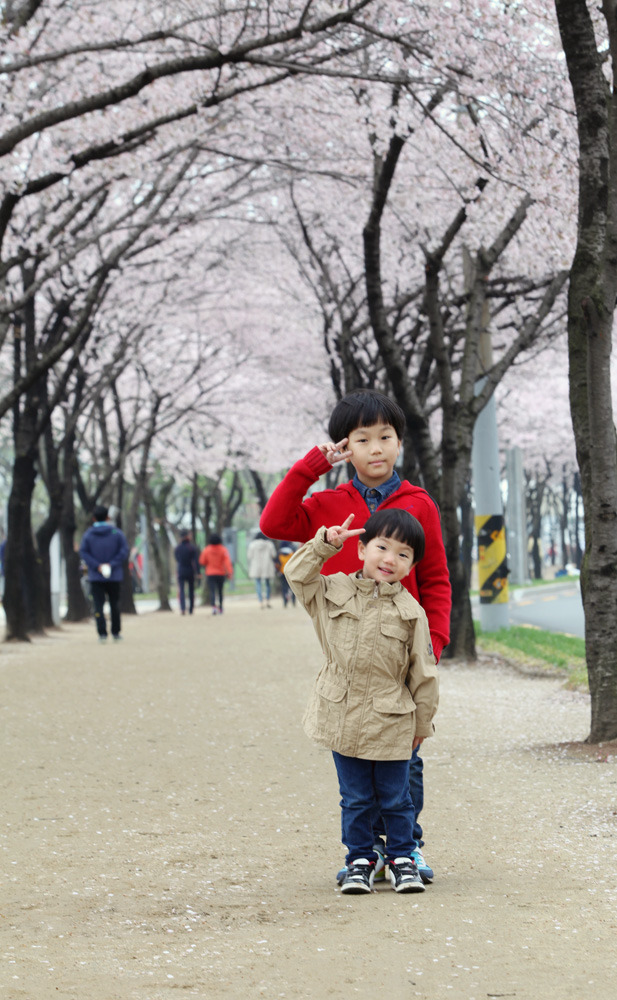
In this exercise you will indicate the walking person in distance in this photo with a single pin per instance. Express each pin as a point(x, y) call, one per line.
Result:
point(261, 556)
point(187, 565)
point(104, 549)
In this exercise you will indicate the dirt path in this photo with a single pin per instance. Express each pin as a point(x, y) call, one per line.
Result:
point(169, 831)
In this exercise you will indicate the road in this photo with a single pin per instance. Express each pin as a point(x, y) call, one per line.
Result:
point(555, 607)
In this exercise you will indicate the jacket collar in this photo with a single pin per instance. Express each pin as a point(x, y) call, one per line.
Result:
point(341, 588)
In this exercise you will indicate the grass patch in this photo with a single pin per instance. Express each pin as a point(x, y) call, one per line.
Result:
point(546, 582)
point(530, 584)
point(536, 649)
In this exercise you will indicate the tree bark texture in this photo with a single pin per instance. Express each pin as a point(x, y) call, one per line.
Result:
point(162, 569)
point(591, 305)
point(444, 487)
point(22, 592)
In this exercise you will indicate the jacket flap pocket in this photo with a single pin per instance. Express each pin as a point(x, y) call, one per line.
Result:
point(337, 612)
point(329, 689)
point(400, 703)
point(394, 631)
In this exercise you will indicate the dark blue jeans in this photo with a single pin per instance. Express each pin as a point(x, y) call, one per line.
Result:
point(215, 587)
point(416, 790)
point(110, 589)
point(189, 582)
point(363, 785)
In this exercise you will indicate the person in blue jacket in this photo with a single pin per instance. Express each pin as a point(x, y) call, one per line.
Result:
point(187, 562)
point(104, 549)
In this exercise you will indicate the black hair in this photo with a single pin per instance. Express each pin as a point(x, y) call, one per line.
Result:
point(363, 408)
point(399, 524)
point(215, 539)
point(100, 513)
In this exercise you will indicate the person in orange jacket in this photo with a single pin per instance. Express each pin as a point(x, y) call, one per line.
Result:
point(217, 563)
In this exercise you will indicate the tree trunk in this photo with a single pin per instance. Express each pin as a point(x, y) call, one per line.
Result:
point(454, 459)
point(577, 552)
point(23, 587)
point(162, 571)
point(591, 305)
point(194, 505)
point(44, 536)
point(78, 605)
point(260, 491)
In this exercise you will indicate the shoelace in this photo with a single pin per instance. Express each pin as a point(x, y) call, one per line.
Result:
point(355, 871)
point(408, 868)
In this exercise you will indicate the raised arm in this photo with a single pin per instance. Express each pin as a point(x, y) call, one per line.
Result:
point(287, 514)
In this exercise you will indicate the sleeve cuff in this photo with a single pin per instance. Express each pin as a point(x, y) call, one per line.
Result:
point(317, 462)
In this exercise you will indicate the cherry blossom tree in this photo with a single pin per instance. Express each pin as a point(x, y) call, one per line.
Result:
point(590, 45)
point(421, 293)
point(83, 117)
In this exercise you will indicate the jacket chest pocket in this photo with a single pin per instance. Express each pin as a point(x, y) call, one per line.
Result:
point(396, 636)
point(342, 628)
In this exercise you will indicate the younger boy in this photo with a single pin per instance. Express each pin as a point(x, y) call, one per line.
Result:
point(376, 695)
point(367, 428)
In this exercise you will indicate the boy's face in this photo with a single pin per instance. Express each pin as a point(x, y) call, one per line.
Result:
point(374, 450)
point(385, 559)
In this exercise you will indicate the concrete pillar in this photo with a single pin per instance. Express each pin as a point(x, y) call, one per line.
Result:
point(516, 518)
point(55, 576)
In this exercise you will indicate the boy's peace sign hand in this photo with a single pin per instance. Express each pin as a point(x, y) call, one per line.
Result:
point(339, 533)
point(335, 452)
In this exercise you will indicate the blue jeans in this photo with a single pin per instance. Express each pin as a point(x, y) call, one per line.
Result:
point(258, 589)
point(363, 785)
point(416, 790)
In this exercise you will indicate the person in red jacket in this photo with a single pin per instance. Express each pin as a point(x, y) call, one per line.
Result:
point(366, 429)
point(217, 562)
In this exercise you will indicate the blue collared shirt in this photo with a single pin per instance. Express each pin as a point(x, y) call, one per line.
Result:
point(375, 495)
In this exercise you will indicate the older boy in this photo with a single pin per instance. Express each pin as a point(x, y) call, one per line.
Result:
point(366, 429)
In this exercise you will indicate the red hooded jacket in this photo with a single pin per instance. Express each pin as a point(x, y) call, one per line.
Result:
point(289, 516)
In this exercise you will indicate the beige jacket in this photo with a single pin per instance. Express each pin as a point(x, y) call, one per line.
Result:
point(378, 687)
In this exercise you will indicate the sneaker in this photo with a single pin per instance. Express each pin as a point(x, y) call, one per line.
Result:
point(426, 872)
point(117, 638)
point(102, 638)
point(404, 875)
point(358, 876)
point(379, 873)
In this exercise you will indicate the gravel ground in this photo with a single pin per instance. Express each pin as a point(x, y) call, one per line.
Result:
point(169, 831)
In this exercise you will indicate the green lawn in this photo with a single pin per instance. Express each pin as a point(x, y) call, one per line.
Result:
point(544, 651)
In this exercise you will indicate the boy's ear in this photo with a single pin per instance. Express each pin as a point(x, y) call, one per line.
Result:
point(361, 548)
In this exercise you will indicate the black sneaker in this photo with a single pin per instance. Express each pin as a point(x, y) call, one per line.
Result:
point(379, 873)
point(359, 876)
point(404, 875)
